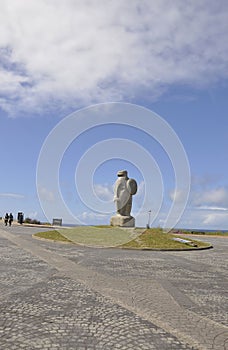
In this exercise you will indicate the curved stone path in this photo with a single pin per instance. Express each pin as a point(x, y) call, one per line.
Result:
point(60, 296)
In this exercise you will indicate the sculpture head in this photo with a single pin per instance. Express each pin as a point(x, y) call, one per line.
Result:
point(122, 173)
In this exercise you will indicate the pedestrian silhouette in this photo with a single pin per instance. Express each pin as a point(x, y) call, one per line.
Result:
point(10, 219)
point(6, 219)
point(20, 218)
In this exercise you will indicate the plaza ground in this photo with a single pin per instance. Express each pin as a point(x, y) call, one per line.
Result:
point(61, 296)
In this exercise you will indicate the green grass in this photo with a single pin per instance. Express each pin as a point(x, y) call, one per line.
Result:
point(155, 238)
point(104, 226)
point(100, 236)
point(53, 235)
point(107, 236)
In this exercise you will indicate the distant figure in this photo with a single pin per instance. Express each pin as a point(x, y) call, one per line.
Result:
point(10, 219)
point(6, 219)
point(20, 218)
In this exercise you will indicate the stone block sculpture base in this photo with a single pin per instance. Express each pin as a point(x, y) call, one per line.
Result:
point(122, 221)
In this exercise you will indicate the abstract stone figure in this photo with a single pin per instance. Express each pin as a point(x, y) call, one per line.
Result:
point(124, 189)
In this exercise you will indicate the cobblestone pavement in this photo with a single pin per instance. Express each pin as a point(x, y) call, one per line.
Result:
point(61, 296)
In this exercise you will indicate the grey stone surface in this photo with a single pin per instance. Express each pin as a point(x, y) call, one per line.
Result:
point(124, 189)
point(122, 221)
point(60, 296)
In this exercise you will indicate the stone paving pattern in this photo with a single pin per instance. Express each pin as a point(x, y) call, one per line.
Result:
point(61, 296)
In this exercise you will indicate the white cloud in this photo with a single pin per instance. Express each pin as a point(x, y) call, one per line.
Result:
point(207, 207)
point(91, 218)
point(61, 55)
point(91, 215)
point(216, 220)
point(207, 219)
point(46, 194)
point(12, 195)
point(104, 192)
point(178, 195)
point(213, 197)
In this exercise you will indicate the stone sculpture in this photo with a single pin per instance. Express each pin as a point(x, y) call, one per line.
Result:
point(124, 189)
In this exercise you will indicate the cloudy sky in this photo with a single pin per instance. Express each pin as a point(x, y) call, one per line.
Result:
point(57, 57)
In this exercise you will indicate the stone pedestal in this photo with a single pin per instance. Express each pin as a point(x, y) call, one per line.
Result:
point(122, 221)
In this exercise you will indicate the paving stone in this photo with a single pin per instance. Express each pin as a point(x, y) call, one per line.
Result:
point(58, 296)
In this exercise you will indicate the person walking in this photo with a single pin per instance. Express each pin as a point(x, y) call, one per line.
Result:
point(10, 219)
point(6, 219)
point(20, 218)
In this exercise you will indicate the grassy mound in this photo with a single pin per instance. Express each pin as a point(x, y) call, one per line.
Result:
point(155, 238)
point(52, 235)
point(107, 236)
point(98, 236)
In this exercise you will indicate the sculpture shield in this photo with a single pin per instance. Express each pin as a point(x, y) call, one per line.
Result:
point(132, 186)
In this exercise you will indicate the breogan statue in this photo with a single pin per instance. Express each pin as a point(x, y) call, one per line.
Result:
point(124, 189)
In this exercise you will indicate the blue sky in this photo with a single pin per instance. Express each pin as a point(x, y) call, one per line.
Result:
point(57, 58)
